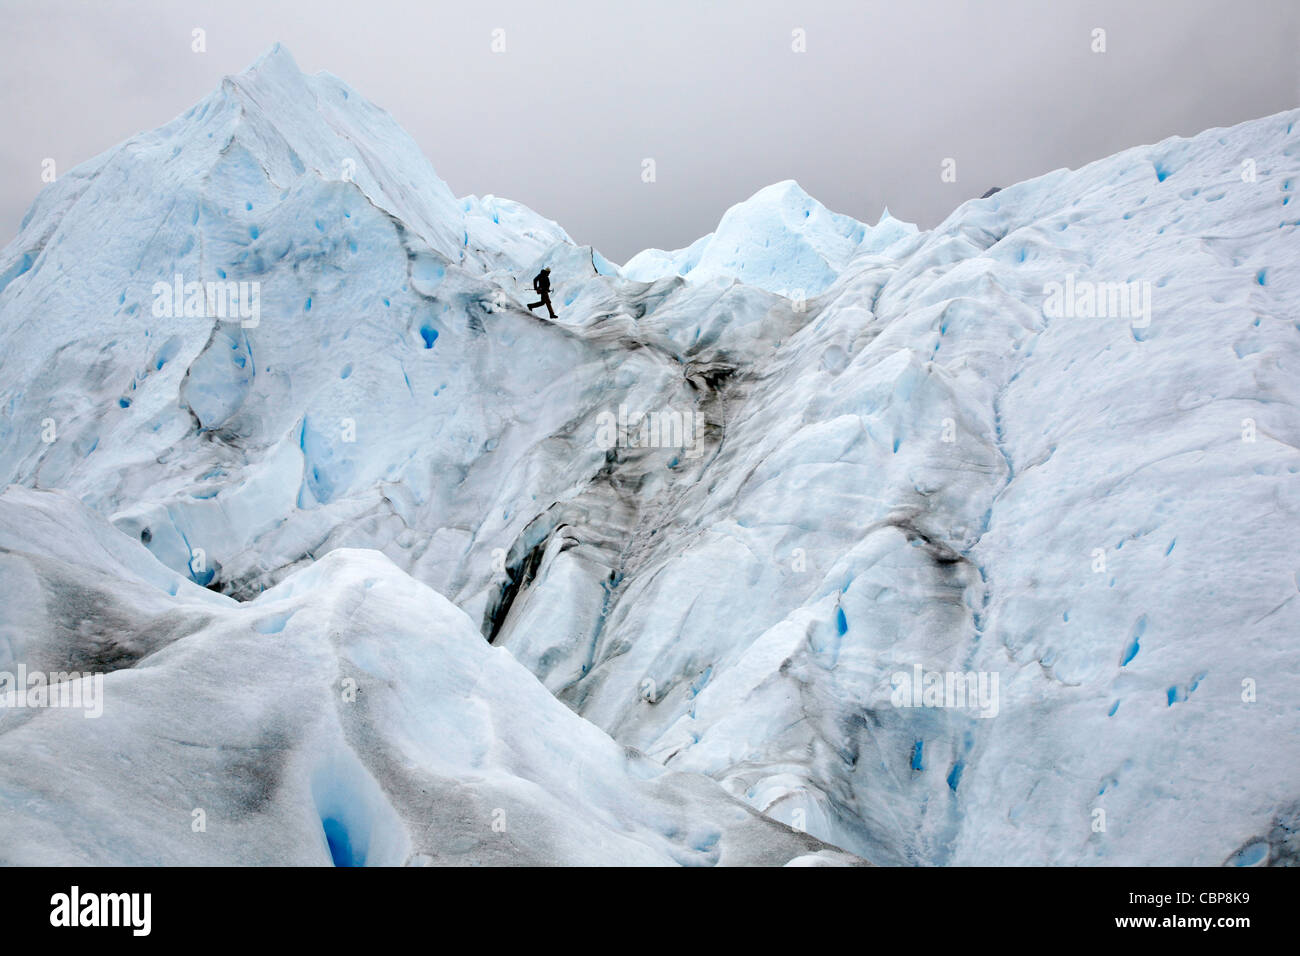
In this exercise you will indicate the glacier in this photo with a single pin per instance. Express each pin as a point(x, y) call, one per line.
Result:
point(366, 585)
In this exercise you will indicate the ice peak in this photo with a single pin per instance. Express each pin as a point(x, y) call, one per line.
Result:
point(276, 58)
point(786, 188)
point(275, 72)
point(780, 238)
point(786, 195)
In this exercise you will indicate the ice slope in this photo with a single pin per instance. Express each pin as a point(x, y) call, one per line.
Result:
point(914, 466)
point(760, 609)
point(779, 239)
point(838, 540)
point(232, 438)
point(387, 396)
point(349, 716)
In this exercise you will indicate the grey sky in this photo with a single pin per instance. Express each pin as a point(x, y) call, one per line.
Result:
point(710, 89)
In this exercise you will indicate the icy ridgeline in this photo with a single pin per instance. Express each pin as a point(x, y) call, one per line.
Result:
point(920, 468)
point(349, 714)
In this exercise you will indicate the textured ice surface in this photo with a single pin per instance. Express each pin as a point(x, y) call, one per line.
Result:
point(780, 239)
point(906, 458)
point(349, 715)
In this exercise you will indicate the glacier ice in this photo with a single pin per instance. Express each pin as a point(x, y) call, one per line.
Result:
point(348, 715)
point(908, 465)
point(780, 239)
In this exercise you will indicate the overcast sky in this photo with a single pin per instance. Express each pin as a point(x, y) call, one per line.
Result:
point(710, 89)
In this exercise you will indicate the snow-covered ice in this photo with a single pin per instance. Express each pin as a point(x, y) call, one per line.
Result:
point(900, 451)
point(349, 715)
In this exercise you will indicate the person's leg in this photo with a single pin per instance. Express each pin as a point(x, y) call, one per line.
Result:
point(533, 305)
point(548, 306)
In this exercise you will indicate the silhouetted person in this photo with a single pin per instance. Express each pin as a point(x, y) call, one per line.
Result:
point(542, 286)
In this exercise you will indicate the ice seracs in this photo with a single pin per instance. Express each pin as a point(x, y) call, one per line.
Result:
point(918, 465)
point(779, 239)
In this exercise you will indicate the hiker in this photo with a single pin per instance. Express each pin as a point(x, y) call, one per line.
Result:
point(542, 286)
